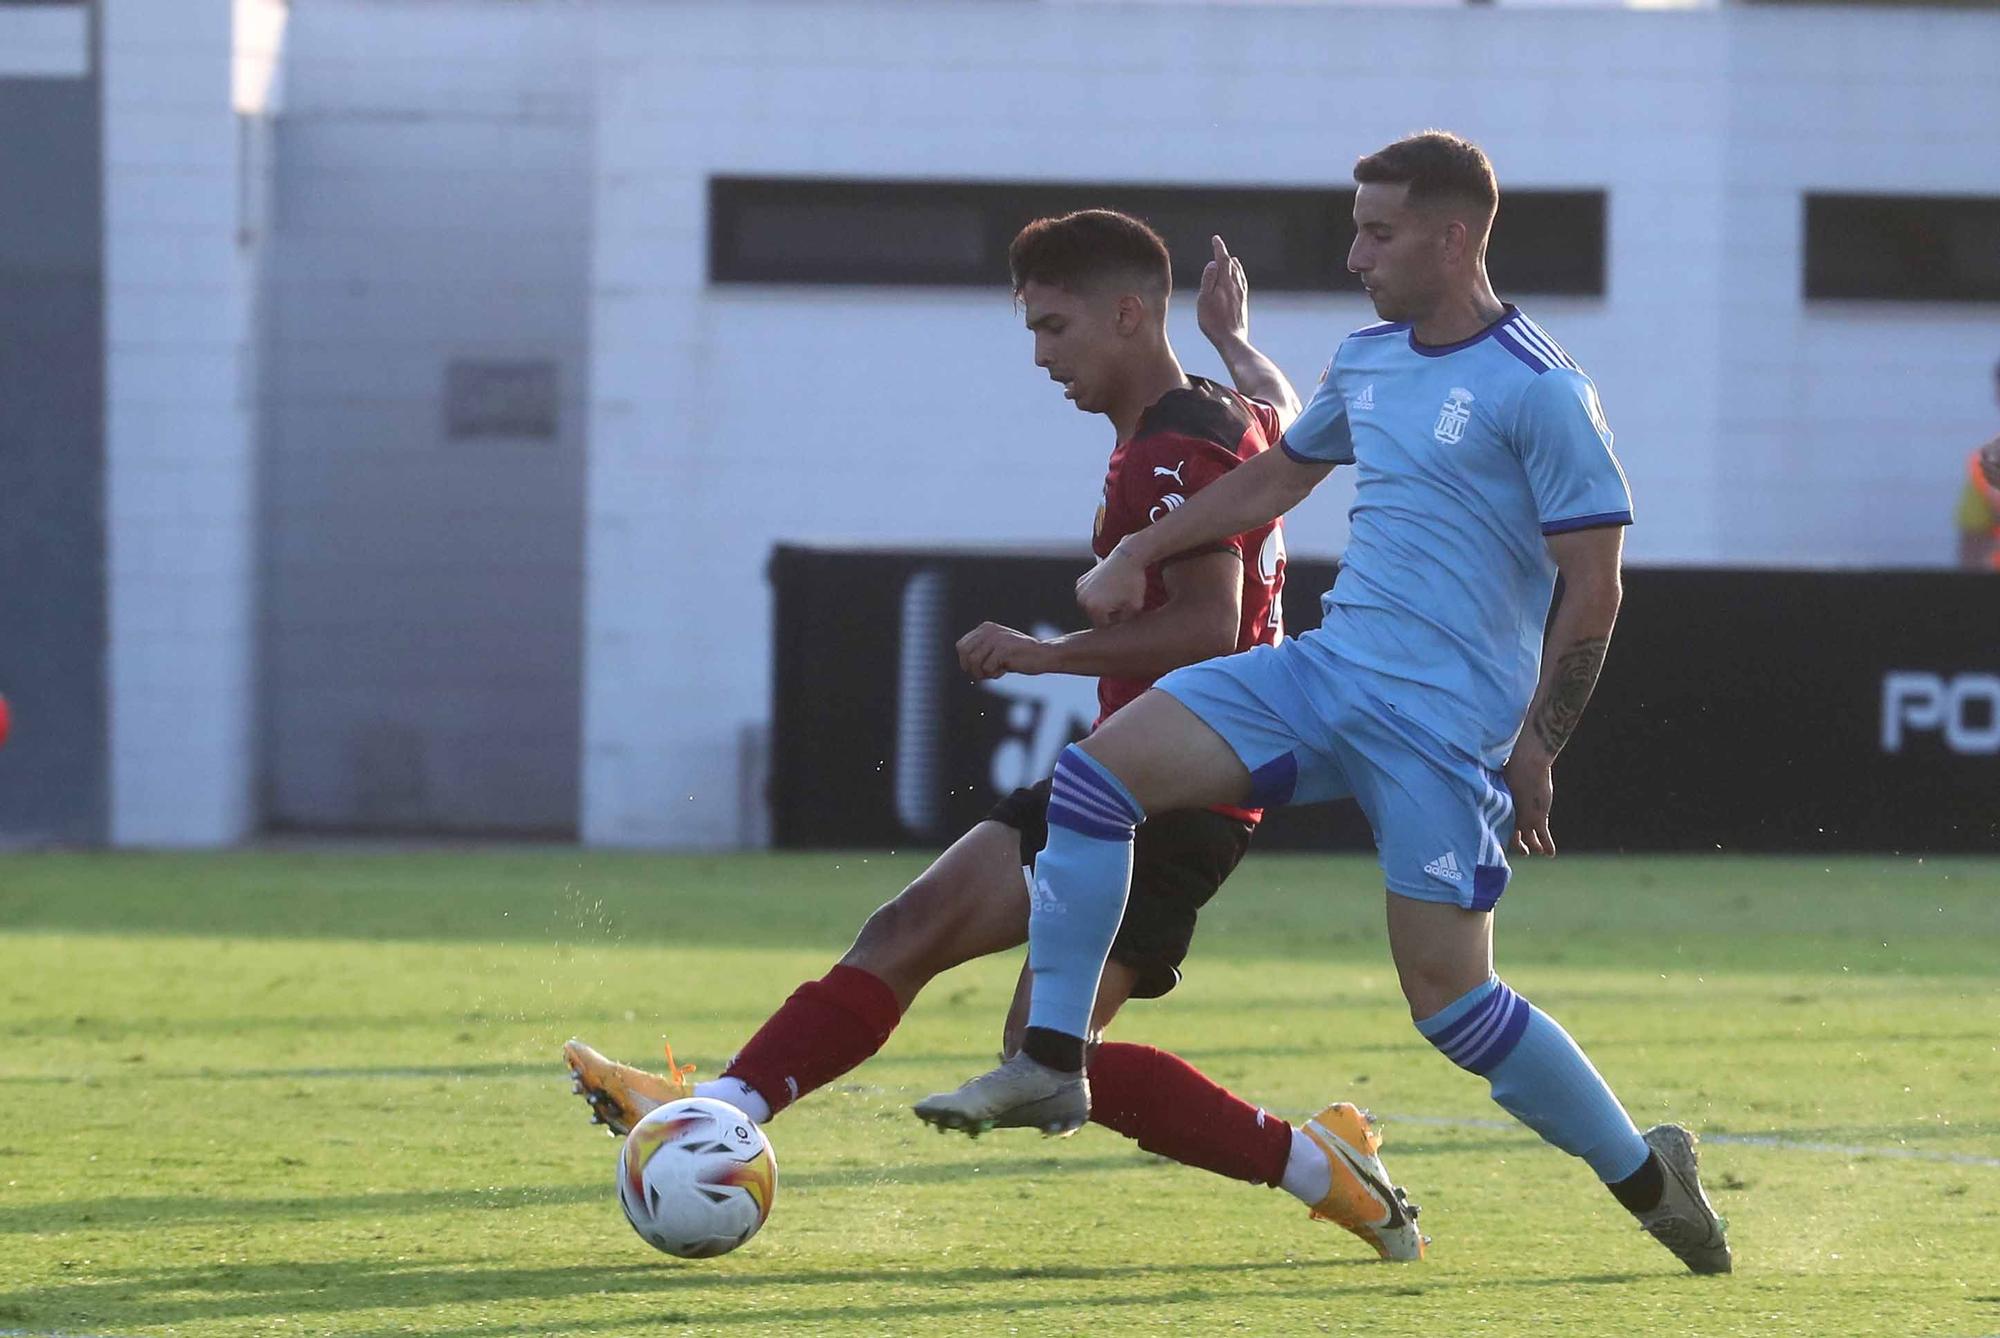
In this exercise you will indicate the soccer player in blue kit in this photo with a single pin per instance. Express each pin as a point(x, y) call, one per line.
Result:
point(1484, 468)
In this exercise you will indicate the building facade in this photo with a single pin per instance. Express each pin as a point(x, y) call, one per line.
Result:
point(434, 381)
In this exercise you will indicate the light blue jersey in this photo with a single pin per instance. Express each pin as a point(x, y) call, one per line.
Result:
point(1466, 455)
point(1408, 699)
point(1409, 695)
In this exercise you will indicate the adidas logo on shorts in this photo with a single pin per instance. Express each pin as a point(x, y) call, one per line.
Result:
point(1445, 866)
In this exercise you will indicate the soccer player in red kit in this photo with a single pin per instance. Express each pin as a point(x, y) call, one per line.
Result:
point(1094, 288)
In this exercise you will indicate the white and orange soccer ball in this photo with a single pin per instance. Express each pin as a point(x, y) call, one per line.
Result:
point(696, 1178)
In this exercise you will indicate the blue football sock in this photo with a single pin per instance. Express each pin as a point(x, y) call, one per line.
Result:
point(1538, 1076)
point(1081, 879)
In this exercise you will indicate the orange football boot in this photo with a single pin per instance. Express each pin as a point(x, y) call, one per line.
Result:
point(620, 1095)
point(1362, 1198)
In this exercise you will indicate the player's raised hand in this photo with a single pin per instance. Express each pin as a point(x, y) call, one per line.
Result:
point(1222, 310)
point(990, 650)
point(1989, 462)
point(1532, 782)
point(1112, 591)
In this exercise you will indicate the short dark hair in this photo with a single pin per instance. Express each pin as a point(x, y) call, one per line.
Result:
point(1080, 250)
point(1436, 165)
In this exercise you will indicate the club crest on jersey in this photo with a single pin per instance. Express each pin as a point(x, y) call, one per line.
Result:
point(1453, 415)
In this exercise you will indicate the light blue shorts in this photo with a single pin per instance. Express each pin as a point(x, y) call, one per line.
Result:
point(1307, 731)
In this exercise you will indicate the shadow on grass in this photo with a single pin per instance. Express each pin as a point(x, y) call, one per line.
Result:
point(151, 1212)
point(1734, 915)
point(1174, 1291)
point(541, 1071)
point(147, 1212)
point(314, 1073)
point(989, 1008)
point(576, 897)
point(85, 1026)
point(299, 1289)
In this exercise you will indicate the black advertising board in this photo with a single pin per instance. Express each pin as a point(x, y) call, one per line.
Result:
point(1739, 710)
point(1793, 711)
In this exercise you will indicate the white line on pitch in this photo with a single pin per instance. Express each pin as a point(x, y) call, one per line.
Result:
point(1779, 1141)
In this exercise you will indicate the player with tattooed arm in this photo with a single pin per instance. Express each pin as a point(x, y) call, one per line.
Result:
point(1483, 469)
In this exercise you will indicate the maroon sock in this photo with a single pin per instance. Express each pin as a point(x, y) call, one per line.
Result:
point(827, 1027)
point(1174, 1110)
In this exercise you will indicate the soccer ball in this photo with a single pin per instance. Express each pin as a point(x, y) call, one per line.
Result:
point(696, 1178)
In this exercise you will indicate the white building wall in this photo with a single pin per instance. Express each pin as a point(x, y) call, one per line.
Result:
point(422, 600)
point(1845, 425)
point(179, 470)
point(725, 420)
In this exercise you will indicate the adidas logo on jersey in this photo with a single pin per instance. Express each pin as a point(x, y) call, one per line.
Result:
point(1365, 400)
point(1445, 866)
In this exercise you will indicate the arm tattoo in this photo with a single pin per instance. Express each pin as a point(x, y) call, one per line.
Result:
point(1576, 675)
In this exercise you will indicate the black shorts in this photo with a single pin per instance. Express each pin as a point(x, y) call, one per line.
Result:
point(1178, 860)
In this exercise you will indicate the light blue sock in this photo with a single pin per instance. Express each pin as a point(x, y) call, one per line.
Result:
point(1081, 880)
point(1538, 1075)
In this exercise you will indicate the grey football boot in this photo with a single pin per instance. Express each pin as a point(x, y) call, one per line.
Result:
point(1684, 1221)
point(1020, 1094)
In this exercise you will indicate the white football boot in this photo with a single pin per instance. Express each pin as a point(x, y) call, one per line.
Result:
point(1684, 1220)
point(1020, 1094)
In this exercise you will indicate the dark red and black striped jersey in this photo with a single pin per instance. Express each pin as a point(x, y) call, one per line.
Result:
point(1185, 441)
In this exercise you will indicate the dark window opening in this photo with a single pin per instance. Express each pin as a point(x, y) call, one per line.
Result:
point(955, 233)
point(1903, 248)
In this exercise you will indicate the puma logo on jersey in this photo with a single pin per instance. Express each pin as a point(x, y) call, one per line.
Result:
point(1270, 557)
point(1160, 471)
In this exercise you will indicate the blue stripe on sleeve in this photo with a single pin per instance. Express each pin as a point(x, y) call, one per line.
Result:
point(1536, 363)
point(1598, 521)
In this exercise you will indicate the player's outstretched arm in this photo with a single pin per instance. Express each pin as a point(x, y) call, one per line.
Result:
point(1571, 660)
point(1248, 497)
point(1198, 621)
point(1222, 310)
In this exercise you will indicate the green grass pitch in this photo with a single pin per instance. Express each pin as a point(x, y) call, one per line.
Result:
point(318, 1092)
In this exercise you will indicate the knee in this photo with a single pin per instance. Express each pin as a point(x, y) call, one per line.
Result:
point(1084, 786)
point(1480, 1029)
point(1442, 952)
point(1429, 987)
